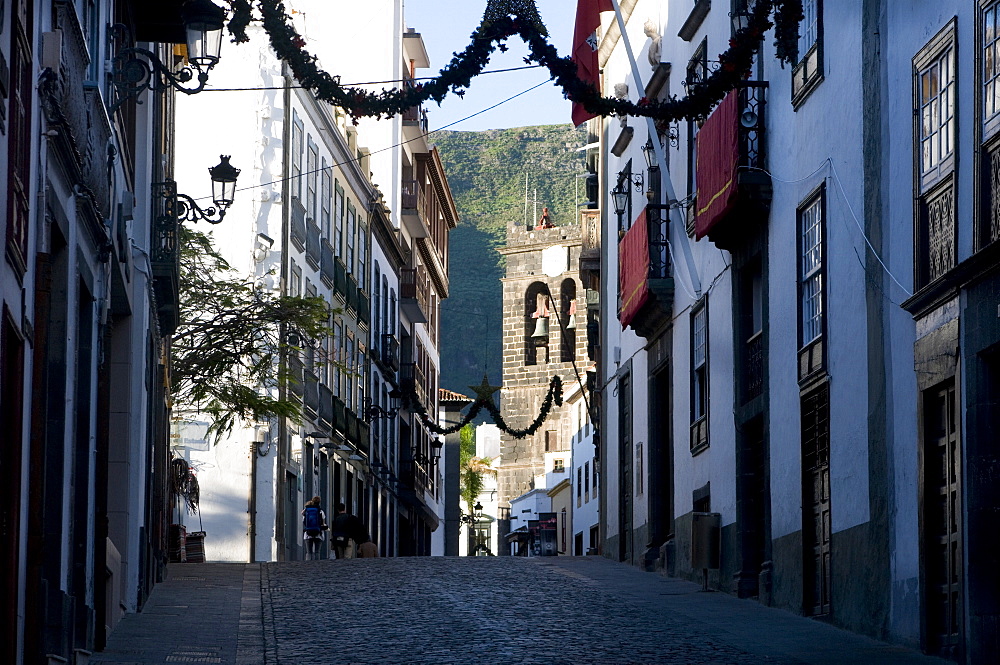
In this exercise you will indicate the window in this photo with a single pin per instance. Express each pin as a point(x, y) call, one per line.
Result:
point(991, 62)
point(988, 221)
point(579, 484)
point(934, 138)
point(697, 71)
point(338, 356)
point(586, 481)
point(295, 281)
point(362, 256)
point(639, 475)
point(360, 364)
point(349, 231)
point(385, 309)
point(338, 220)
point(296, 157)
point(377, 309)
point(325, 199)
point(349, 383)
point(699, 377)
point(811, 270)
point(807, 74)
point(536, 324)
point(594, 484)
point(558, 466)
point(936, 91)
point(312, 176)
point(551, 440)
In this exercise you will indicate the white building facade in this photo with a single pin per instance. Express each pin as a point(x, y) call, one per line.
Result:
point(767, 375)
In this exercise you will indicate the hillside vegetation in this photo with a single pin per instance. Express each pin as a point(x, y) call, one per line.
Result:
point(486, 171)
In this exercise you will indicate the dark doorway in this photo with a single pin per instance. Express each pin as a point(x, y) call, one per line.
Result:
point(942, 521)
point(11, 405)
point(625, 467)
point(661, 477)
point(816, 525)
point(752, 498)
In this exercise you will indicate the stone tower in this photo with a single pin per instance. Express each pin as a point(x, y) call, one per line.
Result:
point(541, 284)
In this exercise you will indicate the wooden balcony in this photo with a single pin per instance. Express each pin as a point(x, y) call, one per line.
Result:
point(413, 294)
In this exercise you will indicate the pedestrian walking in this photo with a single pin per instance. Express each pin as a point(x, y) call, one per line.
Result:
point(367, 549)
point(345, 528)
point(313, 526)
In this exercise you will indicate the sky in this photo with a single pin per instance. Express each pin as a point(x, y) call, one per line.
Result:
point(446, 25)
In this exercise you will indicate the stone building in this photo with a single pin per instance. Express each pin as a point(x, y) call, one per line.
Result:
point(542, 297)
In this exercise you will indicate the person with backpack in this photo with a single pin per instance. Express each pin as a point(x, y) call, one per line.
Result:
point(313, 526)
point(346, 527)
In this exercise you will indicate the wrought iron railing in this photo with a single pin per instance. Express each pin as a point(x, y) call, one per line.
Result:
point(326, 405)
point(311, 393)
point(390, 351)
point(751, 124)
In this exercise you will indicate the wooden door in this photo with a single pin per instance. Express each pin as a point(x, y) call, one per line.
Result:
point(942, 510)
point(816, 527)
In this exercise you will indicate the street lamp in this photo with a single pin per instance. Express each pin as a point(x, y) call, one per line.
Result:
point(203, 23)
point(740, 17)
point(470, 521)
point(223, 192)
point(420, 458)
point(374, 411)
point(620, 195)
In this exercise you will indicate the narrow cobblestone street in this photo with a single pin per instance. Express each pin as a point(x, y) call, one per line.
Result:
point(467, 610)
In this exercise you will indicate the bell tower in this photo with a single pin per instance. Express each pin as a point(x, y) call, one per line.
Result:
point(544, 334)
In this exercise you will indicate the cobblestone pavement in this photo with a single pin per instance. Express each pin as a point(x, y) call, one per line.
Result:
point(432, 611)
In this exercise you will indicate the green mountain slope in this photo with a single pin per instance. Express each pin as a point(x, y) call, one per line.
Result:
point(486, 171)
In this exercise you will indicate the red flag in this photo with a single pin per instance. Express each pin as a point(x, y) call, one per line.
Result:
point(588, 20)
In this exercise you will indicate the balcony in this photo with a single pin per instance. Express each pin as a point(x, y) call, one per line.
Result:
point(734, 193)
point(646, 295)
point(311, 394)
point(327, 270)
point(298, 223)
point(339, 416)
point(413, 295)
point(364, 437)
point(414, 204)
point(352, 293)
point(296, 377)
point(590, 250)
point(165, 257)
point(411, 380)
point(326, 405)
point(340, 279)
point(314, 249)
point(364, 307)
point(390, 352)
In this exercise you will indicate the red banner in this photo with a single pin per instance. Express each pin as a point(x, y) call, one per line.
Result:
point(633, 270)
point(584, 54)
point(718, 162)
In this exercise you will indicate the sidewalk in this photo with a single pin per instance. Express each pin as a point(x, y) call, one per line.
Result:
point(202, 613)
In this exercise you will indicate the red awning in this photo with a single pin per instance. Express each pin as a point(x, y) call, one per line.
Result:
point(633, 270)
point(718, 161)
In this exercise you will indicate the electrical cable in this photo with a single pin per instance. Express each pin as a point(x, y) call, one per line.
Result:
point(395, 145)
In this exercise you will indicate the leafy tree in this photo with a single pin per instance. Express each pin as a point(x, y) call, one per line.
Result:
point(472, 469)
point(232, 334)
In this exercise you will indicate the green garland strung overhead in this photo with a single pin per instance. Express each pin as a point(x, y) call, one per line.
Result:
point(484, 400)
point(504, 19)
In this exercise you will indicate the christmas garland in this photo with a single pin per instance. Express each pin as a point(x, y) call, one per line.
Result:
point(504, 19)
point(485, 401)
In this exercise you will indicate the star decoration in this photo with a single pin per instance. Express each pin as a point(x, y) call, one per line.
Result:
point(484, 391)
